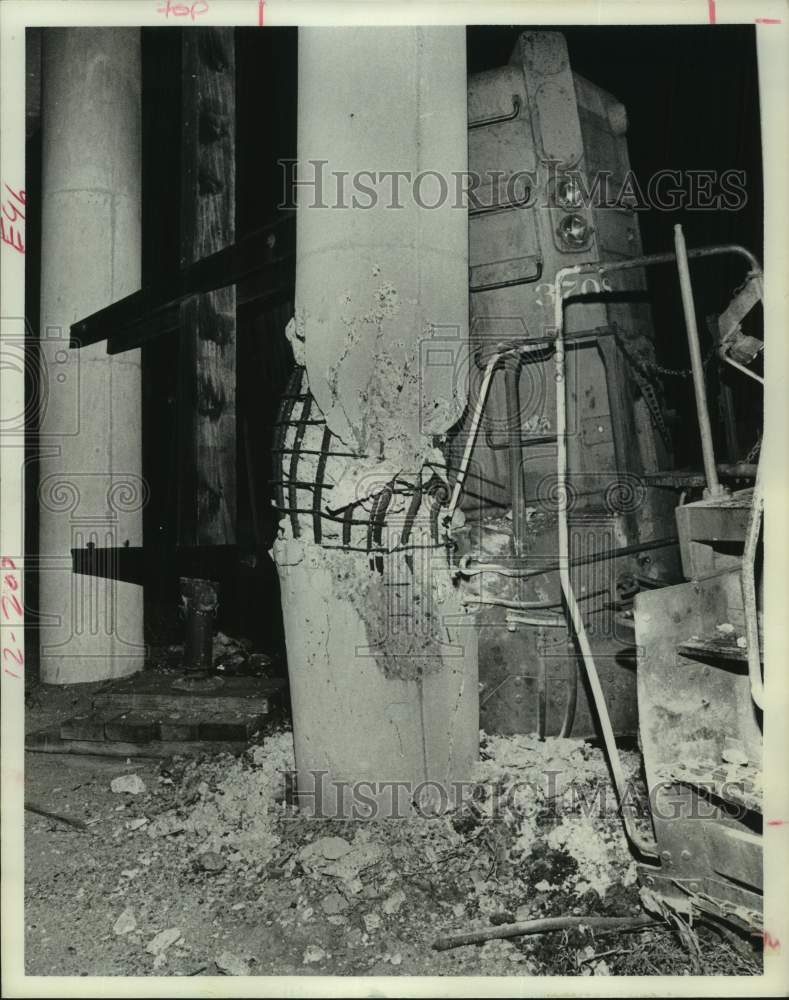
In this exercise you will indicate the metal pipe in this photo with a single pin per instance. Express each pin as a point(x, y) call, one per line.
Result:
point(542, 681)
point(742, 368)
point(614, 758)
point(199, 601)
point(465, 568)
point(555, 621)
point(514, 452)
point(571, 702)
point(748, 584)
point(697, 365)
point(602, 267)
point(647, 260)
point(468, 600)
point(472, 434)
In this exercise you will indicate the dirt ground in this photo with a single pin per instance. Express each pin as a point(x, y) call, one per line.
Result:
point(205, 868)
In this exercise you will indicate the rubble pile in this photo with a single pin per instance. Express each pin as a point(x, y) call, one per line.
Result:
point(205, 867)
point(228, 806)
point(551, 798)
point(557, 793)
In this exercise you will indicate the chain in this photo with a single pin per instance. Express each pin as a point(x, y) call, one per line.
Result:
point(683, 372)
point(644, 374)
point(641, 371)
point(655, 409)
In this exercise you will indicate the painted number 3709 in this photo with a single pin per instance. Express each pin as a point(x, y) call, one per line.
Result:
point(546, 291)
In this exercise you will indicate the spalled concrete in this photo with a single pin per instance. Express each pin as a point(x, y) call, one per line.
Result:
point(382, 658)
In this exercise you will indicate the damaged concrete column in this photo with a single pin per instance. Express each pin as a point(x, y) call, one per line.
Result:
point(91, 491)
point(382, 660)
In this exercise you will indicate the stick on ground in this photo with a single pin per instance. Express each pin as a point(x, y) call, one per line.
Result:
point(541, 926)
point(40, 811)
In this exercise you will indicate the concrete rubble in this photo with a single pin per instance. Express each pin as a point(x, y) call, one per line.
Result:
point(228, 866)
point(132, 784)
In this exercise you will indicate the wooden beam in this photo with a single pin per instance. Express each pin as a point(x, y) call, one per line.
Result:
point(262, 264)
point(207, 363)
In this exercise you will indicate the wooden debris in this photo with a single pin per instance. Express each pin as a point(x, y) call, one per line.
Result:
point(541, 926)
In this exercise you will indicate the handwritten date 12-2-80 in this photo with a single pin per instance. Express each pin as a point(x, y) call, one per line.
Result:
point(12, 616)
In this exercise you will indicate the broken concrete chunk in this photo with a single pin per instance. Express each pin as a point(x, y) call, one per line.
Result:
point(350, 865)
point(163, 940)
point(393, 903)
point(725, 628)
point(734, 755)
point(313, 953)
point(372, 921)
point(130, 783)
point(210, 861)
point(334, 903)
point(125, 923)
point(325, 848)
point(231, 965)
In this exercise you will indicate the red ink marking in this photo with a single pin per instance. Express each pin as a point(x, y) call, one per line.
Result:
point(19, 195)
point(12, 213)
point(7, 209)
point(261, 12)
point(193, 10)
point(776, 822)
point(15, 605)
point(711, 6)
point(770, 941)
point(11, 237)
point(768, 20)
point(10, 581)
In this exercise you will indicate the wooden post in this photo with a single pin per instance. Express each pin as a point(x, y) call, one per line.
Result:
point(207, 388)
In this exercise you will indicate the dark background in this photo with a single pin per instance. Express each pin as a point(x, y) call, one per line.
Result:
point(692, 100)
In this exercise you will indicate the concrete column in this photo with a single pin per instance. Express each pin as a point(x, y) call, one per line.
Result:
point(91, 488)
point(382, 279)
point(382, 660)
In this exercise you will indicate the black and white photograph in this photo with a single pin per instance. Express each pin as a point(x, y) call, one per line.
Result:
point(393, 512)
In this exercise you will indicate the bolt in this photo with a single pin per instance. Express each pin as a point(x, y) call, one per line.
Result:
point(694, 886)
point(666, 855)
point(685, 855)
point(650, 880)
